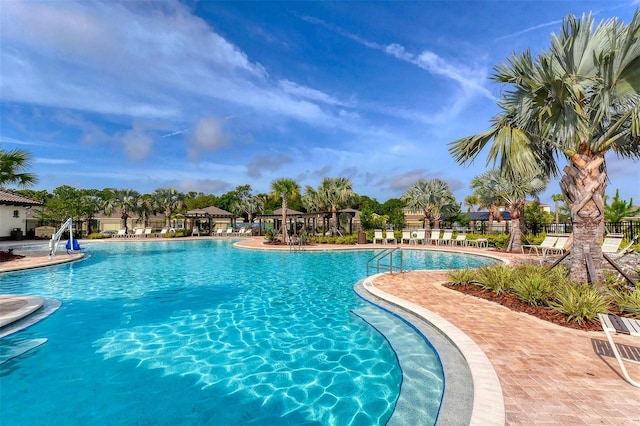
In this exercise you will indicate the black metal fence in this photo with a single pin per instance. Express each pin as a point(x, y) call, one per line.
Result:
point(628, 228)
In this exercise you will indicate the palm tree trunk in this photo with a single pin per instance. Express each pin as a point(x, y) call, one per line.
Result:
point(515, 239)
point(427, 219)
point(284, 219)
point(583, 186)
point(334, 220)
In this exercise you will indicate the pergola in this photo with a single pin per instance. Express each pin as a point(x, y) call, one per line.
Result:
point(309, 219)
point(209, 213)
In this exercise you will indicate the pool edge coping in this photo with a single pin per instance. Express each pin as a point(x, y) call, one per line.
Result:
point(488, 401)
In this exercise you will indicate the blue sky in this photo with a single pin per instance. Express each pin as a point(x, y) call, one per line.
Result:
point(206, 96)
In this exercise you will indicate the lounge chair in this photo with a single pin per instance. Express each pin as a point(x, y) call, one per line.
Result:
point(621, 325)
point(162, 233)
point(147, 232)
point(418, 236)
point(446, 237)
point(219, 232)
point(406, 236)
point(122, 233)
point(548, 242)
point(435, 236)
point(461, 239)
point(248, 232)
point(229, 232)
point(139, 232)
point(611, 243)
point(559, 246)
point(195, 231)
point(377, 235)
point(390, 236)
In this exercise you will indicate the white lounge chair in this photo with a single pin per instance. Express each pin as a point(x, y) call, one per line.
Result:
point(446, 237)
point(377, 235)
point(139, 232)
point(162, 233)
point(122, 233)
point(418, 236)
point(406, 236)
point(229, 232)
point(219, 232)
point(558, 247)
point(147, 232)
point(548, 242)
point(390, 236)
point(621, 325)
point(195, 231)
point(461, 239)
point(248, 232)
point(435, 236)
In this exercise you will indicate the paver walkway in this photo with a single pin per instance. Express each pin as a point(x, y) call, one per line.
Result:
point(550, 375)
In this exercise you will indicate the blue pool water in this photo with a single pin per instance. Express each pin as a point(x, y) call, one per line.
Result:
point(200, 332)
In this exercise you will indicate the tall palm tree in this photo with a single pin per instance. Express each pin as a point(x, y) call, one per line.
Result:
point(335, 193)
point(248, 204)
point(12, 166)
point(123, 200)
point(513, 193)
point(285, 189)
point(556, 198)
point(312, 202)
point(432, 196)
point(579, 99)
point(168, 200)
point(145, 207)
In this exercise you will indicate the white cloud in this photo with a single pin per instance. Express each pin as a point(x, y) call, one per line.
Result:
point(207, 135)
point(137, 143)
point(55, 161)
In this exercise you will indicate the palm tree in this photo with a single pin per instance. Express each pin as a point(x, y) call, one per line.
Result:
point(334, 193)
point(247, 204)
point(312, 202)
point(285, 189)
point(556, 198)
point(432, 196)
point(145, 207)
point(124, 200)
point(168, 200)
point(513, 193)
point(12, 164)
point(579, 100)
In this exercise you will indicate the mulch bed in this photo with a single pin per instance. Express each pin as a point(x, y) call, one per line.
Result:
point(515, 304)
point(8, 255)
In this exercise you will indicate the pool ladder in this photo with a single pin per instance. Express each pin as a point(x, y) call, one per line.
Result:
point(378, 263)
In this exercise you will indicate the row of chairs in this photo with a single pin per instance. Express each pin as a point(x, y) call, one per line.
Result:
point(559, 244)
point(419, 236)
point(243, 232)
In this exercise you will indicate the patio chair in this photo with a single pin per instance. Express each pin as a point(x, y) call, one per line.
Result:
point(122, 233)
point(139, 232)
point(219, 232)
point(419, 235)
point(548, 242)
point(461, 239)
point(390, 236)
point(195, 231)
point(446, 237)
point(162, 233)
point(621, 325)
point(406, 236)
point(229, 232)
point(559, 246)
point(435, 236)
point(147, 232)
point(377, 235)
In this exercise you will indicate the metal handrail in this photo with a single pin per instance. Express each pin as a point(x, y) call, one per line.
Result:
point(379, 257)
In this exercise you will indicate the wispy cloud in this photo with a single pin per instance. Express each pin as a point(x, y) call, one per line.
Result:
point(533, 28)
point(54, 161)
point(469, 79)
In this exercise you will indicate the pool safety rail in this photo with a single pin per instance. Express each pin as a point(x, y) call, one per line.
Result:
point(383, 261)
point(55, 239)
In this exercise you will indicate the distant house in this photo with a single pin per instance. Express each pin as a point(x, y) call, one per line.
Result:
point(13, 215)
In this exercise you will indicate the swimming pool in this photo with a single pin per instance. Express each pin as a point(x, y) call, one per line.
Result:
point(198, 332)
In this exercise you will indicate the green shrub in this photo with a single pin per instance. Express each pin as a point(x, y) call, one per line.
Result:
point(462, 276)
point(339, 239)
point(97, 236)
point(271, 235)
point(627, 301)
point(580, 302)
point(533, 288)
point(495, 278)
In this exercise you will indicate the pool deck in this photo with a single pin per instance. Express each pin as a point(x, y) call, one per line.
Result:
point(549, 374)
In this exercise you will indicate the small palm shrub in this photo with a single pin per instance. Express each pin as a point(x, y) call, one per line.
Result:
point(462, 276)
point(580, 302)
point(97, 236)
point(271, 235)
point(628, 301)
point(495, 278)
point(533, 288)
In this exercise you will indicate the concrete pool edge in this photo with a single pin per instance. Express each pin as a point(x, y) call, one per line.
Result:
point(488, 401)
